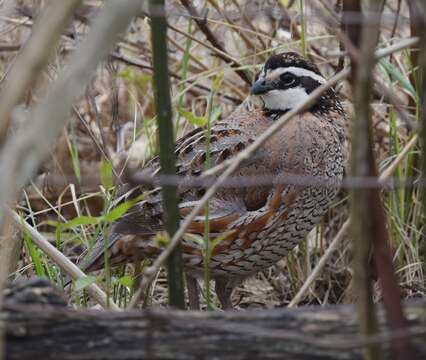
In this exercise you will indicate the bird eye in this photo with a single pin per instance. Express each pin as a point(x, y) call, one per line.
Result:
point(288, 79)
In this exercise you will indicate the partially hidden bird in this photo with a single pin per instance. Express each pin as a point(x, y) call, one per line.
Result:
point(257, 224)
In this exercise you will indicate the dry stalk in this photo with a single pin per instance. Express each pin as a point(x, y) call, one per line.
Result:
point(243, 36)
point(33, 57)
point(62, 261)
point(214, 41)
point(390, 49)
point(23, 152)
point(363, 224)
point(368, 216)
point(249, 23)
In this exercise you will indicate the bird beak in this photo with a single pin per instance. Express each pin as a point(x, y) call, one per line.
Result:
point(260, 87)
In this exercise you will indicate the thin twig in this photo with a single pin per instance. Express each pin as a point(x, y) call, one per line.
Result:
point(388, 95)
point(24, 151)
point(138, 64)
point(89, 183)
point(33, 56)
point(62, 261)
point(363, 210)
point(213, 40)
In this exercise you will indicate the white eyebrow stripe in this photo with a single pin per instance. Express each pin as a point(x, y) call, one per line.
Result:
point(296, 71)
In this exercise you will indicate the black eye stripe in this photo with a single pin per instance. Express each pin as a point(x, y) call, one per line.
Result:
point(300, 81)
point(309, 84)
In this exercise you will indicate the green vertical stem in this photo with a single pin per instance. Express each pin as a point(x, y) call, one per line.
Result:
point(207, 250)
point(163, 107)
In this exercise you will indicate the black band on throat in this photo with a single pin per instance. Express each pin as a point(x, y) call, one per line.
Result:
point(274, 114)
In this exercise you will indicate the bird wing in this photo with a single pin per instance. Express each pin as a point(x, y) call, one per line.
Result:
point(230, 210)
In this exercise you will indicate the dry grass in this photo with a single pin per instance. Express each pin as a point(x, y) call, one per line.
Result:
point(114, 125)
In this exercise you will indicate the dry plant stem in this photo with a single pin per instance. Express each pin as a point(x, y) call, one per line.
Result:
point(138, 64)
point(161, 86)
point(390, 97)
point(62, 261)
point(27, 65)
point(363, 224)
point(243, 36)
point(421, 80)
point(33, 57)
point(414, 10)
point(397, 15)
point(341, 61)
point(321, 263)
point(203, 67)
point(249, 23)
point(22, 153)
point(9, 255)
point(350, 7)
point(218, 52)
point(231, 165)
point(401, 156)
point(213, 40)
point(193, 292)
point(344, 228)
point(368, 216)
point(333, 24)
point(10, 47)
point(380, 237)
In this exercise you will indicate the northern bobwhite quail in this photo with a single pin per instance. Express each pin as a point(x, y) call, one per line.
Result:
point(262, 223)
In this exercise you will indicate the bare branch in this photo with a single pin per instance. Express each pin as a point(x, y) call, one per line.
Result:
point(23, 152)
point(213, 40)
point(62, 261)
point(33, 57)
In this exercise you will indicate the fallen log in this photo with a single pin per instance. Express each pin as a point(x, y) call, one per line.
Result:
point(57, 332)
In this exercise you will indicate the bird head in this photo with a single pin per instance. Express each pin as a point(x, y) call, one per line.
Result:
point(286, 80)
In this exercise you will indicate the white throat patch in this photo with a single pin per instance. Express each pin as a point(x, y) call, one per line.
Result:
point(284, 99)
